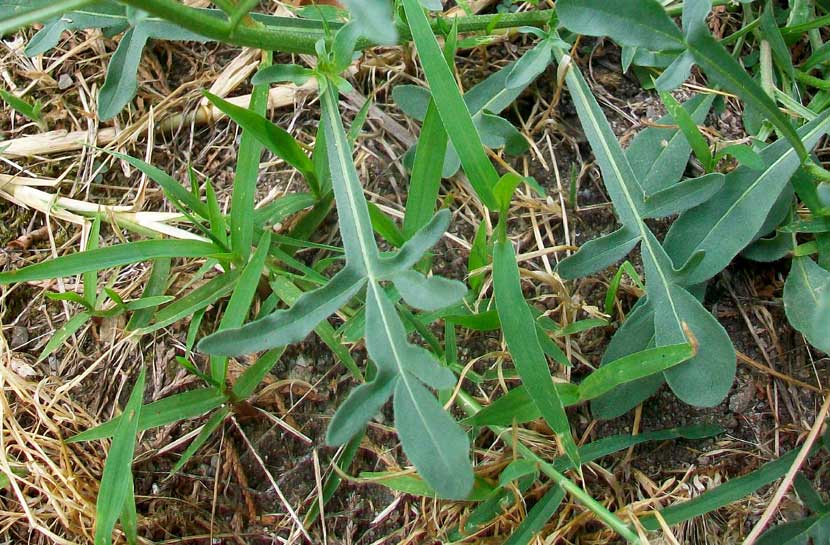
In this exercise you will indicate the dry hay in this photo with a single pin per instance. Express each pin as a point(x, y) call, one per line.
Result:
point(52, 486)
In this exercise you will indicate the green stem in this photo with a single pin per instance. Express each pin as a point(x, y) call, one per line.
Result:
point(302, 40)
point(469, 405)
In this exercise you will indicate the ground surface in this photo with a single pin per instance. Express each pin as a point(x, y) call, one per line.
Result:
point(224, 494)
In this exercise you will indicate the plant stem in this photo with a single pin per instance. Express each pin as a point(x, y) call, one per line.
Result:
point(469, 405)
point(296, 40)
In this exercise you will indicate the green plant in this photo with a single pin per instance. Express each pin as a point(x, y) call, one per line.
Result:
point(668, 336)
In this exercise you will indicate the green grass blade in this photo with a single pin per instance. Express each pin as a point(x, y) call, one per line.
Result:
point(61, 335)
point(155, 286)
point(91, 277)
point(458, 121)
point(116, 480)
point(171, 187)
point(240, 303)
point(252, 377)
point(210, 426)
point(247, 174)
point(425, 182)
point(689, 128)
point(729, 492)
point(537, 517)
point(194, 301)
point(277, 140)
point(634, 367)
point(165, 411)
point(31, 111)
point(112, 256)
point(518, 326)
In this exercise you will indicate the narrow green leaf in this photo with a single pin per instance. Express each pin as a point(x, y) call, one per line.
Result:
point(165, 411)
point(171, 187)
point(240, 302)
point(529, 66)
point(385, 226)
point(799, 532)
point(27, 13)
point(213, 423)
point(104, 258)
point(517, 323)
point(284, 327)
point(279, 73)
point(252, 377)
point(277, 140)
point(194, 301)
point(721, 496)
point(770, 32)
point(61, 335)
point(537, 517)
point(116, 480)
point(458, 121)
point(245, 179)
point(689, 129)
point(633, 367)
point(744, 154)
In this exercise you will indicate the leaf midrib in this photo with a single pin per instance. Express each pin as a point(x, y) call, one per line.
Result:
point(629, 200)
point(404, 376)
point(365, 245)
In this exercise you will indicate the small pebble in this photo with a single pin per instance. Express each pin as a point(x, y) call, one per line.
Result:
point(64, 82)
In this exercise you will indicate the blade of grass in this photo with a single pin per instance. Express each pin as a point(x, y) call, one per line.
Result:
point(116, 480)
point(111, 256)
point(451, 106)
point(530, 361)
point(240, 303)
